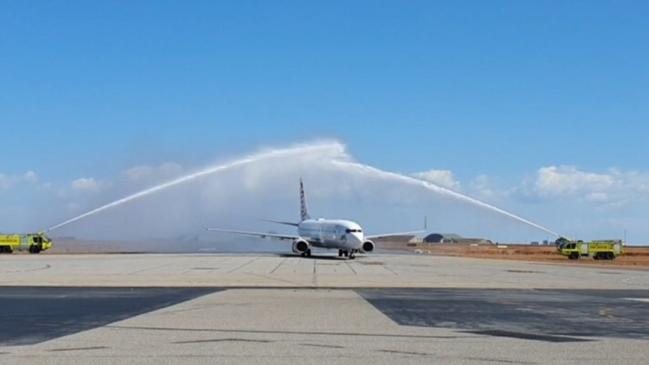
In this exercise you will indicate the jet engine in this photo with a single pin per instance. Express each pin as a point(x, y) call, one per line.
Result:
point(368, 246)
point(300, 246)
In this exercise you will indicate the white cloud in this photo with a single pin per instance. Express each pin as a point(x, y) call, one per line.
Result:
point(30, 177)
point(9, 181)
point(566, 180)
point(444, 178)
point(72, 206)
point(86, 184)
point(145, 173)
point(481, 187)
point(611, 189)
point(597, 197)
point(5, 182)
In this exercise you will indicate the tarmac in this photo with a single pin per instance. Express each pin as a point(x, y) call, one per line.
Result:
point(272, 309)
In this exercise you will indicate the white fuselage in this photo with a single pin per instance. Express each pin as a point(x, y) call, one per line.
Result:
point(332, 233)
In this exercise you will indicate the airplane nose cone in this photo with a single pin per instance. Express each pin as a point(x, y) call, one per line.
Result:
point(354, 240)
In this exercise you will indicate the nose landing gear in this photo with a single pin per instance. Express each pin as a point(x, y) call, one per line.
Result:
point(346, 253)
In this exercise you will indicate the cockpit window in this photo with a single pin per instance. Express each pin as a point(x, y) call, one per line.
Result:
point(353, 230)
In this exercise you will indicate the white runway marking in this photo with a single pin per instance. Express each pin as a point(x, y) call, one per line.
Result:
point(645, 300)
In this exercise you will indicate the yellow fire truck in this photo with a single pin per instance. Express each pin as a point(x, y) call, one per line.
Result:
point(32, 242)
point(598, 250)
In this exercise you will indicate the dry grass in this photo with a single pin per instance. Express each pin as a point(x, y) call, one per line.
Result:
point(632, 256)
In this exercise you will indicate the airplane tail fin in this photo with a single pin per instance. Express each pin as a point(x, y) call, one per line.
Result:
point(304, 213)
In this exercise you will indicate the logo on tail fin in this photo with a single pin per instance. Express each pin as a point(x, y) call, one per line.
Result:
point(304, 213)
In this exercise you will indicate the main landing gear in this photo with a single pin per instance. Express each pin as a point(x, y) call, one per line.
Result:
point(306, 253)
point(346, 253)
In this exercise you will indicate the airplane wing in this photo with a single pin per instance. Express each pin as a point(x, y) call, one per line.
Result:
point(257, 234)
point(282, 222)
point(396, 234)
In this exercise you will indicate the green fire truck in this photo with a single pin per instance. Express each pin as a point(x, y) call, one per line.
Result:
point(598, 250)
point(32, 242)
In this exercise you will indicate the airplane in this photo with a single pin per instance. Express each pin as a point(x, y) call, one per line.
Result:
point(345, 235)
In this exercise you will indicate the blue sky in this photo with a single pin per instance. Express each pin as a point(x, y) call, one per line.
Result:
point(487, 91)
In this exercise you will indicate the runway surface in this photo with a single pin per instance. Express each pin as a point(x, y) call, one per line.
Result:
point(418, 321)
point(32, 315)
point(238, 270)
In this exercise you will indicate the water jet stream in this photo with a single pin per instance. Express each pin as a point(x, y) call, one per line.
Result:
point(334, 148)
point(439, 189)
point(334, 153)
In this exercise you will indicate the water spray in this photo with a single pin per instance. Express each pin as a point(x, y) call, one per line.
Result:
point(335, 152)
point(438, 189)
point(332, 147)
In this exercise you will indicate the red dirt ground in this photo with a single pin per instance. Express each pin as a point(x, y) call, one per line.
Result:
point(631, 257)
